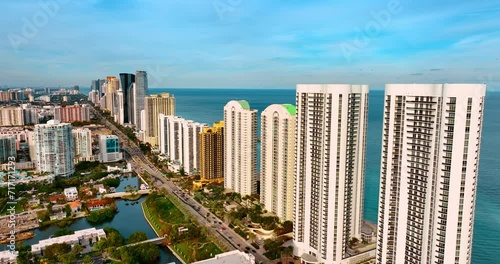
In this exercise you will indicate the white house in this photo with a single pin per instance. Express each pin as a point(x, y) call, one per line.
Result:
point(71, 193)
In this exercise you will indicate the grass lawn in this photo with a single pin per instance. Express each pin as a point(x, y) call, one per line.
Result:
point(194, 250)
point(209, 251)
point(167, 211)
point(184, 251)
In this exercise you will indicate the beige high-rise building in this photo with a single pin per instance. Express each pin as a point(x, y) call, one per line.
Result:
point(154, 105)
point(112, 85)
point(278, 159)
point(212, 152)
point(11, 116)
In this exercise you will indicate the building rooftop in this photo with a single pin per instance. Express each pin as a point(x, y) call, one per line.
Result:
point(244, 104)
point(69, 239)
point(7, 256)
point(290, 108)
point(234, 256)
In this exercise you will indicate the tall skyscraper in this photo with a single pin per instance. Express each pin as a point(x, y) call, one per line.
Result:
point(191, 145)
point(83, 144)
point(155, 105)
point(212, 152)
point(119, 107)
point(54, 148)
point(140, 90)
point(97, 85)
point(126, 80)
point(112, 85)
point(7, 148)
point(330, 160)
point(429, 168)
point(240, 143)
point(278, 159)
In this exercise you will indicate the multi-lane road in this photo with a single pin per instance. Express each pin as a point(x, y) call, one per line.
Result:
point(218, 229)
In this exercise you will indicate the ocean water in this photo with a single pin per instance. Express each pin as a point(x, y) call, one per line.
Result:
point(206, 105)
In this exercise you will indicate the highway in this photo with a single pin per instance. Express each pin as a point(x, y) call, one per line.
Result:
point(220, 231)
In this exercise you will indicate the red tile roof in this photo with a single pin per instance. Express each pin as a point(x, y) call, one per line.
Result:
point(101, 202)
point(55, 198)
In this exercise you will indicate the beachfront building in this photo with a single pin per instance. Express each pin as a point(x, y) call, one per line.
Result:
point(428, 181)
point(212, 153)
point(278, 159)
point(330, 163)
point(240, 143)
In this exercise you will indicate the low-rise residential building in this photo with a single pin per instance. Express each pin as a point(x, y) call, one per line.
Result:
point(8, 257)
point(100, 188)
point(71, 193)
point(56, 198)
point(94, 205)
point(75, 206)
point(58, 216)
point(85, 238)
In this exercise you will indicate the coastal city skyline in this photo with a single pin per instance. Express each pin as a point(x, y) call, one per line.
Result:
point(249, 132)
point(326, 126)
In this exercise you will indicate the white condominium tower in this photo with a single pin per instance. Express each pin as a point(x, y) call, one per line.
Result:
point(179, 139)
point(330, 162)
point(54, 148)
point(278, 159)
point(240, 143)
point(430, 156)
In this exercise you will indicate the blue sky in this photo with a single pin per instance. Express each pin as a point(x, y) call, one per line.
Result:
point(250, 43)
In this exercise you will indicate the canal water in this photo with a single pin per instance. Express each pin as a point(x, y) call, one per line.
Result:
point(128, 220)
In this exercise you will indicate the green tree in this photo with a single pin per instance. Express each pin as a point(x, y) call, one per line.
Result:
point(87, 260)
point(68, 210)
point(52, 251)
point(101, 216)
point(23, 202)
point(137, 237)
point(63, 232)
point(43, 215)
point(182, 172)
